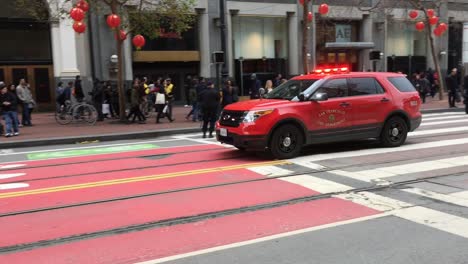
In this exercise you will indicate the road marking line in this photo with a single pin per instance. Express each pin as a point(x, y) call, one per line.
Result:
point(135, 179)
point(462, 195)
point(442, 118)
point(263, 239)
point(317, 184)
point(203, 141)
point(271, 171)
point(365, 152)
point(437, 131)
point(93, 146)
point(446, 222)
point(374, 201)
point(8, 186)
point(11, 166)
point(391, 171)
point(444, 114)
point(444, 122)
point(11, 175)
point(438, 196)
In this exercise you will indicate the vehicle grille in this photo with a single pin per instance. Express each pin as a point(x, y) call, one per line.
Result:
point(231, 118)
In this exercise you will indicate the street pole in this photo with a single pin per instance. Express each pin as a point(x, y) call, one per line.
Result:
point(241, 62)
point(222, 18)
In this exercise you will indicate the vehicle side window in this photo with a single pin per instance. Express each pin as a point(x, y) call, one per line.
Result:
point(402, 84)
point(334, 88)
point(364, 86)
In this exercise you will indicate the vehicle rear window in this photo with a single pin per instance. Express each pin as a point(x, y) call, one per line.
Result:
point(402, 84)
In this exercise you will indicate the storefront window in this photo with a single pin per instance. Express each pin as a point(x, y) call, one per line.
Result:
point(404, 40)
point(260, 37)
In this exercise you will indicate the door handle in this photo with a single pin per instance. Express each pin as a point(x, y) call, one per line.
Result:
point(384, 100)
point(344, 104)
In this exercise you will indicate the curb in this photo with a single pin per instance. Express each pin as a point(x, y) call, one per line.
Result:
point(92, 138)
point(137, 135)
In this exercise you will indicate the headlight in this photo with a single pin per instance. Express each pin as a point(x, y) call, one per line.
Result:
point(251, 116)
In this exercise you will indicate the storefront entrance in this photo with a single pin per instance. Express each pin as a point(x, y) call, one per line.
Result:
point(339, 58)
point(39, 77)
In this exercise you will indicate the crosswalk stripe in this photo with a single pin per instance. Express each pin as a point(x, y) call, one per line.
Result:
point(443, 114)
point(317, 184)
point(391, 171)
point(424, 124)
point(437, 131)
point(438, 196)
point(270, 171)
point(442, 118)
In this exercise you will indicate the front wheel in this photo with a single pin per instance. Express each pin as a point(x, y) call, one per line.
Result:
point(286, 142)
point(394, 133)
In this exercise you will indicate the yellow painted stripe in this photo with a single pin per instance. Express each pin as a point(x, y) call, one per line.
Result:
point(136, 179)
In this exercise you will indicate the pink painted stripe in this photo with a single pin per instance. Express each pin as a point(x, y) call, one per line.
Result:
point(173, 240)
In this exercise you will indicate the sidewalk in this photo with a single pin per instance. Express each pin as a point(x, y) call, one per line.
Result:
point(46, 131)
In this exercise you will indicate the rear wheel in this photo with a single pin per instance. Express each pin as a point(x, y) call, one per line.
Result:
point(286, 142)
point(394, 133)
point(63, 117)
point(240, 148)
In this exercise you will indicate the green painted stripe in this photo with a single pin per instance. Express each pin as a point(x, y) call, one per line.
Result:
point(90, 151)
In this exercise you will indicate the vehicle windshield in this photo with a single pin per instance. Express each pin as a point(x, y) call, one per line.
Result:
point(290, 90)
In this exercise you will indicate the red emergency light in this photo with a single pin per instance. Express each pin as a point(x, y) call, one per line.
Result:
point(329, 70)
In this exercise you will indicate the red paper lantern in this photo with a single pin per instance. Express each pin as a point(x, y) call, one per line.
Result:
point(301, 2)
point(323, 9)
point(420, 26)
point(438, 31)
point(443, 27)
point(79, 27)
point(430, 12)
point(122, 35)
point(413, 14)
point(309, 17)
point(138, 41)
point(433, 20)
point(113, 21)
point(83, 5)
point(77, 14)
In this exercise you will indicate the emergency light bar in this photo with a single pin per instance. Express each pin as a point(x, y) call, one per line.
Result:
point(331, 70)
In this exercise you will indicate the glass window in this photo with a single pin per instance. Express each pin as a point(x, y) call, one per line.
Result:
point(334, 88)
point(364, 86)
point(402, 84)
point(290, 90)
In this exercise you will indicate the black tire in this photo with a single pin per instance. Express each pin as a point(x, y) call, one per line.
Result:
point(63, 117)
point(286, 142)
point(394, 132)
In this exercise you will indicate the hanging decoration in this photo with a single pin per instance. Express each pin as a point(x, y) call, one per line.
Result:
point(113, 21)
point(323, 9)
point(301, 2)
point(77, 14)
point(138, 41)
point(433, 20)
point(443, 26)
point(83, 5)
point(79, 27)
point(413, 14)
point(430, 12)
point(438, 31)
point(309, 17)
point(420, 26)
point(122, 35)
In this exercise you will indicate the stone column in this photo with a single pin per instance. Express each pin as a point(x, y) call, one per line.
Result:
point(366, 36)
point(64, 49)
point(204, 42)
point(229, 47)
point(293, 51)
point(465, 43)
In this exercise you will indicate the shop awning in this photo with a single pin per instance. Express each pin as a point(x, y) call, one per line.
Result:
point(349, 45)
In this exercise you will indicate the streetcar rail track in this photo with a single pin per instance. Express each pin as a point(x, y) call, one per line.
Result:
point(203, 216)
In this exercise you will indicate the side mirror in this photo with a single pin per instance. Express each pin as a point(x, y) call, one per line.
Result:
point(301, 97)
point(319, 97)
point(261, 91)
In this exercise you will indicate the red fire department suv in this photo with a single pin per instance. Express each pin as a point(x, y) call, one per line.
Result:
point(329, 105)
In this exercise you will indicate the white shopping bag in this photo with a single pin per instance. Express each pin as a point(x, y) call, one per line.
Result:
point(166, 108)
point(160, 99)
point(105, 109)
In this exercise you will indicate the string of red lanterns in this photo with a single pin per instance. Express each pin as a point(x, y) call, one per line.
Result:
point(138, 41)
point(323, 10)
point(433, 21)
point(113, 21)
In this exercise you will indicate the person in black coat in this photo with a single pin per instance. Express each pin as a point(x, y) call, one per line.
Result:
point(9, 107)
point(229, 94)
point(452, 87)
point(78, 89)
point(210, 98)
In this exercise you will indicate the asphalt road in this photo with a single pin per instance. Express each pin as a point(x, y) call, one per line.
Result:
point(184, 199)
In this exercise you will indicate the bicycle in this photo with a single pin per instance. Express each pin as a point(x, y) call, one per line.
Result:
point(81, 112)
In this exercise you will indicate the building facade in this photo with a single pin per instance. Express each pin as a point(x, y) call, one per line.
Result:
point(262, 37)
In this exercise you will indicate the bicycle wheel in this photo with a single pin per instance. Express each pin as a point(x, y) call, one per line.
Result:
point(63, 117)
point(87, 113)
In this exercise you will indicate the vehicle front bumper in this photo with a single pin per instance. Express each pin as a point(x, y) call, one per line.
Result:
point(242, 141)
